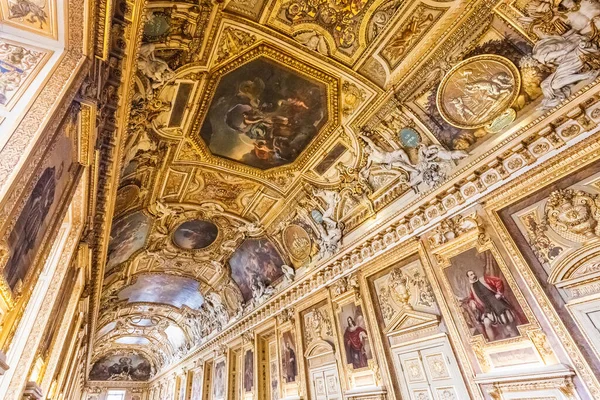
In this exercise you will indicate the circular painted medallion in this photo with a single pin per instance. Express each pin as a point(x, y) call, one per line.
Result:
point(317, 216)
point(478, 90)
point(409, 137)
point(157, 26)
point(195, 234)
point(297, 242)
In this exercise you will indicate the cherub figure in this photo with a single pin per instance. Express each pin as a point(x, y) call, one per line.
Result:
point(331, 199)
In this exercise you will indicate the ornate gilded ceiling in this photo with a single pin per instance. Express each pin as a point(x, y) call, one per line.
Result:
point(261, 133)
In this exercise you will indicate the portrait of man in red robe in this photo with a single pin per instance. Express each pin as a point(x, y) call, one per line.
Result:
point(354, 342)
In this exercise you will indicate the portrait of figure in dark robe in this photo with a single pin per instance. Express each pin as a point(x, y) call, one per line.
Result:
point(356, 338)
point(354, 341)
point(487, 301)
point(289, 363)
point(248, 371)
point(31, 225)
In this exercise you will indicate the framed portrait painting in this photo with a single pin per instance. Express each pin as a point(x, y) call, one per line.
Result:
point(289, 361)
point(248, 370)
point(219, 380)
point(488, 308)
point(356, 340)
point(43, 209)
point(487, 302)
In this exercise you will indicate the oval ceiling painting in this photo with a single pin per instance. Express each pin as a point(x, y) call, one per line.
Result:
point(195, 234)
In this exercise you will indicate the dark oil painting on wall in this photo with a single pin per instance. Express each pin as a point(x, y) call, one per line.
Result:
point(121, 367)
point(219, 380)
point(289, 362)
point(60, 310)
point(263, 114)
point(248, 370)
point(256, 261)
point(487, 302)
point(39, 211)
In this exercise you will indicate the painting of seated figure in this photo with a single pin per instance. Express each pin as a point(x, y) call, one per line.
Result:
point(487, 302)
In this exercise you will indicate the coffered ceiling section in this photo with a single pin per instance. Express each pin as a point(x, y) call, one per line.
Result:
point(261, 133)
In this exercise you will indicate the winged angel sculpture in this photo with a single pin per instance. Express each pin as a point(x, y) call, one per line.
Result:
point(433, 164)
point(331, 230)
point(569, 44)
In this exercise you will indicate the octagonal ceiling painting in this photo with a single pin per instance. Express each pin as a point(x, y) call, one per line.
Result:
point(264, 115)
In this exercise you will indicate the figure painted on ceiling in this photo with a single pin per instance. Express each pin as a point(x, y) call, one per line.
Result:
point(32, 12)
point(264, 115)
point(277, 127)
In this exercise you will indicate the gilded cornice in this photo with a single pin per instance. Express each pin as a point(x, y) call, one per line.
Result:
point(110, 160)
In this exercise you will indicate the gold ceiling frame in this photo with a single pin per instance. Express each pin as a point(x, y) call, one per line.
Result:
point(277, 39)
point(274, 8)
point(506, 9)
point(165, 311)
point(394, 229)
point(154, 345)
point(286, 61)
point(402, 18)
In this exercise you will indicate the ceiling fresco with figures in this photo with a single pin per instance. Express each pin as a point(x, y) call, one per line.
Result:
point(262, 134)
